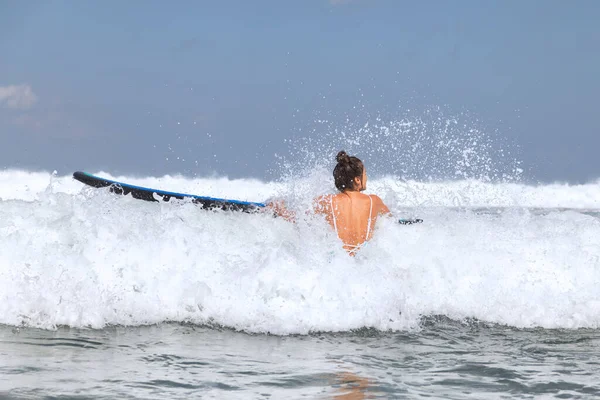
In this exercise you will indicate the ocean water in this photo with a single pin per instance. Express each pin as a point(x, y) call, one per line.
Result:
point(495, 295)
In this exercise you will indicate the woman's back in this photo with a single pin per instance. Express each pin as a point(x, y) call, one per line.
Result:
point(353, 216)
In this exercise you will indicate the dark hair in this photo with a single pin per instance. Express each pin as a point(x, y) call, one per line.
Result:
point(346, 170)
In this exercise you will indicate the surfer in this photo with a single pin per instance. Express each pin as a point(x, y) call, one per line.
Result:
point(350, 213)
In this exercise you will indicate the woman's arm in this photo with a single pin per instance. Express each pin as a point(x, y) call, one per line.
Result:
point(279, 209)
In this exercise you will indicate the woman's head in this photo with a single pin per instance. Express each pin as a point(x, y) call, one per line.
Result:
point(349, 173)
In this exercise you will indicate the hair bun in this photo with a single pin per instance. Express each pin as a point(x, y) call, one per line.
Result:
point(342, 156)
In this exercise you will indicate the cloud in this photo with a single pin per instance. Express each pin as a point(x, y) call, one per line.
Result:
point(19, 97)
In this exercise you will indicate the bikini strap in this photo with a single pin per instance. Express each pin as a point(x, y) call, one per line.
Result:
point(370, 214)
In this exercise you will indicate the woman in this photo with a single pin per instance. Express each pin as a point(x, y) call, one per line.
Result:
point(351, 213)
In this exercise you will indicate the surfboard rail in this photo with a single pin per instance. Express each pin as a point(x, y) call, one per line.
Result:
point(150, 194)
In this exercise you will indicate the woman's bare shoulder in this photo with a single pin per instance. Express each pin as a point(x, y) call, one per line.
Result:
point(379, 204)
point(321, 203)
point(376, 198)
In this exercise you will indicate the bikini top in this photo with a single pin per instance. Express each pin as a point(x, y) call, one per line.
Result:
point(353, 247)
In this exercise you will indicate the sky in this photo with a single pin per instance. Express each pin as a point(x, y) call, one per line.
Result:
point(231, 88)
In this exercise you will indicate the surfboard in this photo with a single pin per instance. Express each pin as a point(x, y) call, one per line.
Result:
point(149, 194)
point(208, 203)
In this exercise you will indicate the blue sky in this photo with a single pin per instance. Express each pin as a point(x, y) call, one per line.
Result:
point(203, 87)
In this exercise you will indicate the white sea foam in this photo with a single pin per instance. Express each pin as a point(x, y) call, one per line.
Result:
point(83, 257)
point(29, 186)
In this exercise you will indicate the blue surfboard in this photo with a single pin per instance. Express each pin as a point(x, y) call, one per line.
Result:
point(149, 194)
point(209, 203)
